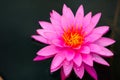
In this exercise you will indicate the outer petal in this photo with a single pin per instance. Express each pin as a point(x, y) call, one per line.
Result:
point(57, 62)
point(87, 59)
point(104, 41)
point(91, 71)
point(100, 50)
point(56, 24)
point(39, 58)
point(87, 19)
point(106, 52)
point(56, 21)
point(99, 60)
point(47, 51)
point(93, 23)
point(79, 71)
point(50, 35)
point(69, 54)
point(68, 14)
point(79, 16)
point(77, 59)
point(97, 33)
point(40, 39)
point(46, 25)
point(55, 15)
point(101, 29)
point(67, 68)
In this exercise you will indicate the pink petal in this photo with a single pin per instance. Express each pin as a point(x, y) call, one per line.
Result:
point(91, 71)
point(46, 25)
point(63, 77)
point(101, 29)
point(106, 52)
point(56, 24)
point(57, 42)
point(55, 15)
point(56, 21)
point(67, 68)
point(50, 35)
point(79, 71)
point(100, 50)
point(87, 19)
point(55, 69)
point(40, 39)
point(100, 60)
point(87, 59)
point(69, 54)
point(79, 16)
point(85, 50)
point(94, 48)
point(65, 23)
point(97, 33)
point(57, 62)
point(39, 58)
point(104, 41)
point(93, 23)
point(77, 59)
point(68, 14)
point(47, 51)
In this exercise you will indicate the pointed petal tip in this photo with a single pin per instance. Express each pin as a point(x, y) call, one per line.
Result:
point(100, 60)
point(38, 31)
point(108, 65)
point(64, 6)
point(90, 13)
point(107, 28)
point(57, 62)
point(81, 6)
point(37, 58)
point(113, 41)
point(32, 36)
point(79, 71)
point(67, 68)
point(52, 13)
point(99, 14)
point(111, 55)
point(51, 71)
point(40, 22)
point(34, 59)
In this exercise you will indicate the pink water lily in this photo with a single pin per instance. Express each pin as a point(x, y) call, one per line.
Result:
point(74, 42)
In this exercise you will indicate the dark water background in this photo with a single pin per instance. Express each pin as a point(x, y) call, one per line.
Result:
point(19, 20)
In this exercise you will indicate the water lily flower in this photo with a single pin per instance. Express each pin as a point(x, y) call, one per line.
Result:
point(74, 42)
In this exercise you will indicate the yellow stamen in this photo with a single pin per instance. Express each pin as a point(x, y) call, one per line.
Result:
point(73, 37)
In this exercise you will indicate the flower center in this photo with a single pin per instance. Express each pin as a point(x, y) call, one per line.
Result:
point(73, 37)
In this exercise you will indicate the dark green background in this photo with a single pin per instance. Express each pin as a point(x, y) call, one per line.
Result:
point(19, 20)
